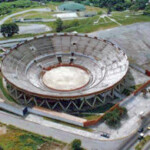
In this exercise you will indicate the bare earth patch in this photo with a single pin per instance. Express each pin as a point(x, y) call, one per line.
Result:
point(52, 146)
point(3, 130)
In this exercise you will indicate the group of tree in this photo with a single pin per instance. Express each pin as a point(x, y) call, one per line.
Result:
point(139, 5)
point(147, 10)
point(120, 5)
point(114, 117)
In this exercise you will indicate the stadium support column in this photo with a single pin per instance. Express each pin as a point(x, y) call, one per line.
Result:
point(59, 57)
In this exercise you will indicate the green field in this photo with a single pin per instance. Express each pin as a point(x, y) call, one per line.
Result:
point(142, 143)
point(17, 139)
point(8, 97)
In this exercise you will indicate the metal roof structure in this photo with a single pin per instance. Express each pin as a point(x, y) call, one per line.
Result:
point(71, 6)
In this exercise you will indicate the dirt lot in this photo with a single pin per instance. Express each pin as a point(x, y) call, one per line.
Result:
point(3, 130)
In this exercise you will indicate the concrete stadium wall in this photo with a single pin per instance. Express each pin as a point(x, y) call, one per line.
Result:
point(57, 116)
point(16, 109)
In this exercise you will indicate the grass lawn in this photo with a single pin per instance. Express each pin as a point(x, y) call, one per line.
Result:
point(87, 25)
point(4, 90)
point(97, 9)
point(68, 124)
point(142, 143)
point(17, 139)
point(101, 109)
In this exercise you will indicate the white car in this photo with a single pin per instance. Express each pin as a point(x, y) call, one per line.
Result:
point(148, 128)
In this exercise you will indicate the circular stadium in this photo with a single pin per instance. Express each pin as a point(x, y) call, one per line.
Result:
point(65, 72)
point(71, 6)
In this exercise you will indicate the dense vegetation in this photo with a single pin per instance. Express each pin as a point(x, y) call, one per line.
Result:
point(7, 7)
point(118, 5)
point(147, 10)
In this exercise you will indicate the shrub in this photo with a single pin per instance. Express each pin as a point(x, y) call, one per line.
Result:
point(59, 25)
point(76, 144)
point(1, 148)
point(100, 12)
point(112, 118)
point(86, 2)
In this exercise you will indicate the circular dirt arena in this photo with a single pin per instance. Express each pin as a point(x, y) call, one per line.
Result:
point(66, 78)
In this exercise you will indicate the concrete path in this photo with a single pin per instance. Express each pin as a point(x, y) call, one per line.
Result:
point(113, 20)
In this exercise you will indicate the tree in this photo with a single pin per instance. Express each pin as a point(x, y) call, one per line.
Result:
point(76, 144)
point(113, 118)
point(141, 3)
point(147, 10)
point(138, 5)
point(59, 25)
point(9, 30)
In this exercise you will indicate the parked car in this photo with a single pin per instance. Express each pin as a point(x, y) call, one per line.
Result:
point(140, 130)
point(105, 135)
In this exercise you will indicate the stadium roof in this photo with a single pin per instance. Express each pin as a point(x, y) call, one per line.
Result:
point(71, 6)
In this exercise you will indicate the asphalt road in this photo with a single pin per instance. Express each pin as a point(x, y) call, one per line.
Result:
point(147, 146)
point(131, 142)
point(45, 130)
